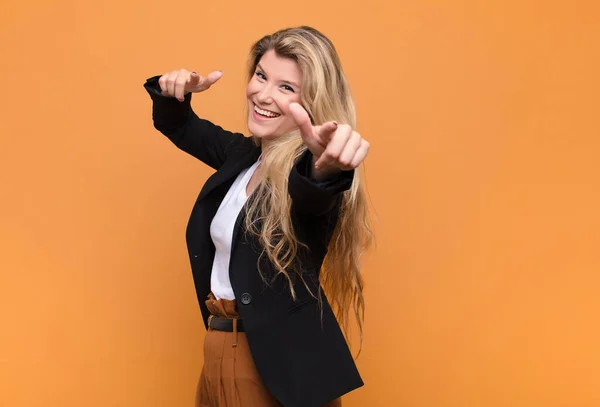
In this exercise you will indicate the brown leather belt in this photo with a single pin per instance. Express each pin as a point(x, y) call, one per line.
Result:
point(224, 324)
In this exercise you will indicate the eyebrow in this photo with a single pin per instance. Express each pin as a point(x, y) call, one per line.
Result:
point(290, 82)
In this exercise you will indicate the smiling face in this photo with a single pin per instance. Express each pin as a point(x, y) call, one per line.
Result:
point(275, 84)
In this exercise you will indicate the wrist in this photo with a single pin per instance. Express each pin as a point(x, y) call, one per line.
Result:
point(322, 173)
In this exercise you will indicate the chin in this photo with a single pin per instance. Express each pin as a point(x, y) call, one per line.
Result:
point(259, 132)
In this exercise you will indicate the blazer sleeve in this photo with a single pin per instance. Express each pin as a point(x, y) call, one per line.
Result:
point(312, 197)
point(197, 137)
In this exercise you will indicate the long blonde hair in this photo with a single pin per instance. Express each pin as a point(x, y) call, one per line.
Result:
point(325, 95)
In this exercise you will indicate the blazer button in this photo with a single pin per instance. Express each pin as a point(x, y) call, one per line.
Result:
point(246, 299)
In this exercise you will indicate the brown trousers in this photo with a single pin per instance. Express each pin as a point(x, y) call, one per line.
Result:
point(229, 377)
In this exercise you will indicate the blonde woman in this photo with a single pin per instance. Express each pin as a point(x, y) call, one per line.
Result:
point(275, 236)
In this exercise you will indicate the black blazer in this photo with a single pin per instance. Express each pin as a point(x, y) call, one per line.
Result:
point(303, 361)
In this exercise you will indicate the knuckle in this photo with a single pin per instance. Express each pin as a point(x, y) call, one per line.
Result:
point(331, 159)
point(345, 162)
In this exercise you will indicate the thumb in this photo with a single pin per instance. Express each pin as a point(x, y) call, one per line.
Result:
point(194, 79)
point(300, 116)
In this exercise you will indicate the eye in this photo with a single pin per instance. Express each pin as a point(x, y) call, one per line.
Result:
point(261, 75)
point(288, 88)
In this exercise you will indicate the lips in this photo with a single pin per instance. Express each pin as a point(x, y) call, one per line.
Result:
point(266, 113)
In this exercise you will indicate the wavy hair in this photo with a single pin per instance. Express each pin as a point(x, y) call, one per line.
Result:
point(326, 96)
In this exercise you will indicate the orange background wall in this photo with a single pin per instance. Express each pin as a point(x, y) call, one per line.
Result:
point(483, 119)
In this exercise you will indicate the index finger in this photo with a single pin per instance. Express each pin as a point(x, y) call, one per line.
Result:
point(198, 83)
point(326, 131)
point(212, 77)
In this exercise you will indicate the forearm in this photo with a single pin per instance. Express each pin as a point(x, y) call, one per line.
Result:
point(312, 196)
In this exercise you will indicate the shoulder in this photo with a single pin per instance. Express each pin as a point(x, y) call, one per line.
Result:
point(243, 145)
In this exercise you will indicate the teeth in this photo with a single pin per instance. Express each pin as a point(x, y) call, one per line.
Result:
point(264, 112)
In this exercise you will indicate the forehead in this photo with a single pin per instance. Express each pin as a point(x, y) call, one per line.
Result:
point(280, 68)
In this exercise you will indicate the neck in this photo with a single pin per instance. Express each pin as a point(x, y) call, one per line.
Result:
point(266, 144)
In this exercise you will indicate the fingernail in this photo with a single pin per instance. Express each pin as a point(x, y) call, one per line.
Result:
point(196, 73)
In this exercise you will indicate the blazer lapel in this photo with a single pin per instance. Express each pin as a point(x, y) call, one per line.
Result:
point(231, 168)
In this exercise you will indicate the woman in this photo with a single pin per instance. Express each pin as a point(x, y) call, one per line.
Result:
point(282, 222)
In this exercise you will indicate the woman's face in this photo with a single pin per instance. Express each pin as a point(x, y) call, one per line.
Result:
point(275, 84)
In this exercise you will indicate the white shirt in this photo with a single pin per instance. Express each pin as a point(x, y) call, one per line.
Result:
point(221, 232)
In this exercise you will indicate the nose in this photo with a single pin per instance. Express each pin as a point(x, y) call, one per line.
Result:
point(264, 95)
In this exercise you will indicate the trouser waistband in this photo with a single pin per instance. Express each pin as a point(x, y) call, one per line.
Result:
point(225, 324)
